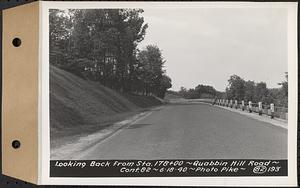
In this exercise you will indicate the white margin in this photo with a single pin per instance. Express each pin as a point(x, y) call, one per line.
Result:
point(290, 180)
point(292, 91)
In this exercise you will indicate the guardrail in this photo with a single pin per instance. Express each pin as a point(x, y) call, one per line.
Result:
point(260, 108)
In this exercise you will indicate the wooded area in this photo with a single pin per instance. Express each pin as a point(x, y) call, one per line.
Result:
point(200, 91)
point(239, 89)
point(102, 45)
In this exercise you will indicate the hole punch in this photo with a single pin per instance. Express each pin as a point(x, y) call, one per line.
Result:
point(16, 144)
point(16, 42)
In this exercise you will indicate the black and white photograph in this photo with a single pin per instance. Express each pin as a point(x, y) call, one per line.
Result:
point(154, 86)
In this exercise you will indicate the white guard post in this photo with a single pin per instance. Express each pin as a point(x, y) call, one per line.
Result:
point(272, 108)
point(243, 105)
point(260, 108)
point(250, 106)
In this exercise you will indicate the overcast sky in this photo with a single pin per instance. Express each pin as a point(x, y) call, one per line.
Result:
point(206, 46)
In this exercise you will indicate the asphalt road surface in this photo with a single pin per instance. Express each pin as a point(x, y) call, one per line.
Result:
point(194, 131)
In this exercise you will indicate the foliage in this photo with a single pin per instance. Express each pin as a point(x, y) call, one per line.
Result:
point(101, 45)
point(150, 74)
point(239, 89)
point(200, 91)
point(236, 88)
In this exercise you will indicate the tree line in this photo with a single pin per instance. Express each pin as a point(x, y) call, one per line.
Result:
point(200, 91)
point(102, 45)
point(239, 89)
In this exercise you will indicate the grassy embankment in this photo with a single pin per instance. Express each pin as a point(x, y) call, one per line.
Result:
point(79, 107)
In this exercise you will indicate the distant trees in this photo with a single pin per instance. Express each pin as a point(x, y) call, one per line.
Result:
point(239, 89)
point(200, 91)
point(249, 90)
point(101, 45)
point(236, 87)
point(282, 96)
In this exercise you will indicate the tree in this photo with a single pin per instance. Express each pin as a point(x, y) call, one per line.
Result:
point(165, 84)
point(151, 69)
point(200, 91)
point(261, 92)
point(283, 92)
point(236, 88)
point(249, 90)
point(284, 85)
point(101, 45)
point(257, 92)
point(59, 33)
point(205, 91)
point(182, 92)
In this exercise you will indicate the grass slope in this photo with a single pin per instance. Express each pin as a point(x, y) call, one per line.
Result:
point(170, 95)
point(78, 106)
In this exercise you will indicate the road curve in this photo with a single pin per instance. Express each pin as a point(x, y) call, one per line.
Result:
point(194, 131)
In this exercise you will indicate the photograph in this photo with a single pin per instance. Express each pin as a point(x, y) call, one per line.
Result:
point(168, 84)
point(168, 90)
point(139, 93)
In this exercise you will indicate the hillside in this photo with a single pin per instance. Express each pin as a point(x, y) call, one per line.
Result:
point(78, 106)
point(172, 95)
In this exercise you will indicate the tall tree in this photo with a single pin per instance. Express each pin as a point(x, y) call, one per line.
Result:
point(59, 33)
point(151, 68)
point(236, 87)
point(261, 92)
point(249, 90)
point(102, 44)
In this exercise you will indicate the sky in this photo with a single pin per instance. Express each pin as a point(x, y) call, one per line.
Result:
point(207, 45)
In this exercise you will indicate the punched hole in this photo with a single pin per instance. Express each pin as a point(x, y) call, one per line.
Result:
point(16, 144)
point(16, 42)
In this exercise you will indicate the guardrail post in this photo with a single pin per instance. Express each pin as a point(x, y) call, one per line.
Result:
point(250, 106)
point(272, 108)
point(243, 105)
point(260, 108)
point(236, 104)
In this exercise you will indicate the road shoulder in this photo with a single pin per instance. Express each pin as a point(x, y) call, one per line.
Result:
point(81, 146)
point(264, 118)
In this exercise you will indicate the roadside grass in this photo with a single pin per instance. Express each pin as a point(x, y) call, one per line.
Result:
point(170, 96)
point(142, 101)
point(79, 107)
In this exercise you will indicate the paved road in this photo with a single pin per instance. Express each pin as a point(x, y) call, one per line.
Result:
point(194, 131)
